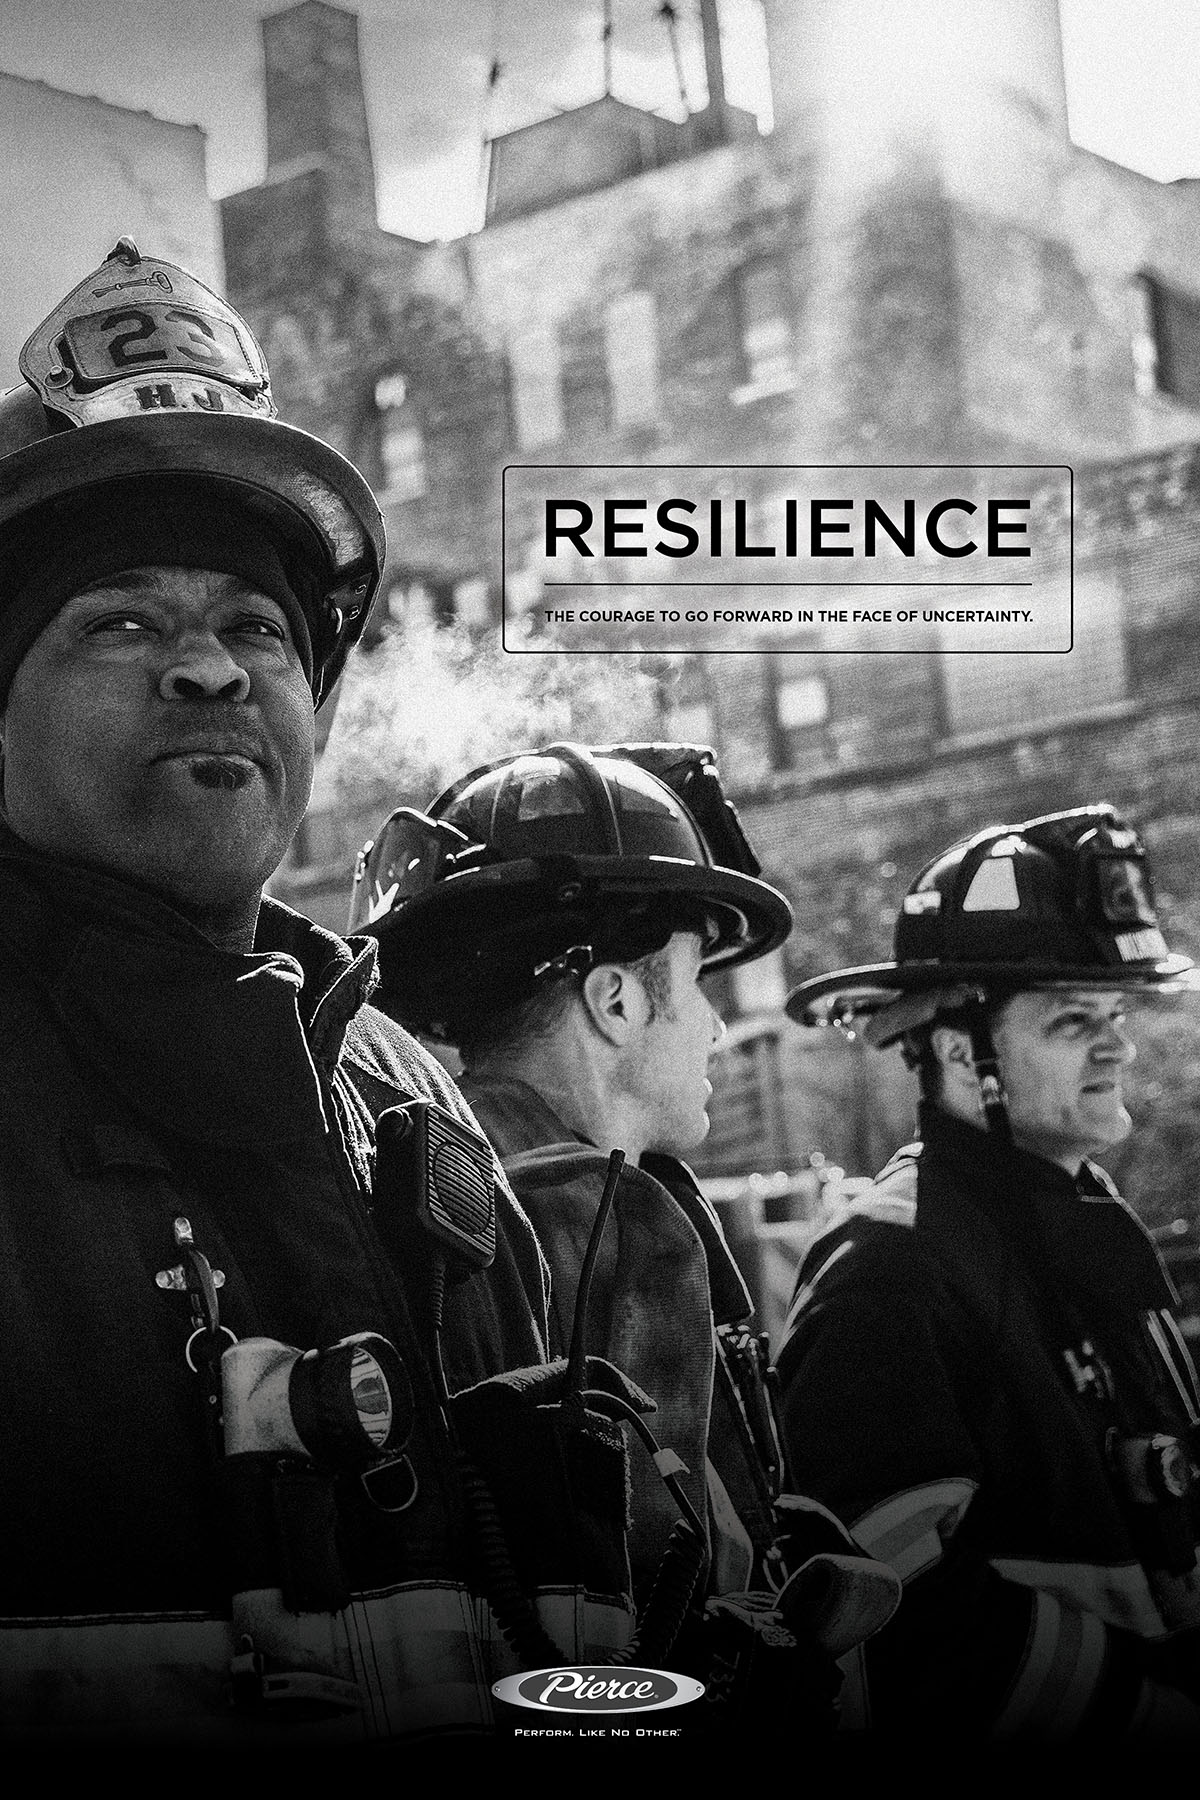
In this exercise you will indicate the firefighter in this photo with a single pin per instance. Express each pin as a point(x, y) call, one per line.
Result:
point(256, 1351)
point(982, 1368)
point(553, 917)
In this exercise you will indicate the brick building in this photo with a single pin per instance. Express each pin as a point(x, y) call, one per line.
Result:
point(916, 265)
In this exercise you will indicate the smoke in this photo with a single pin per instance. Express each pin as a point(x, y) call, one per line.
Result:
point(430, 703)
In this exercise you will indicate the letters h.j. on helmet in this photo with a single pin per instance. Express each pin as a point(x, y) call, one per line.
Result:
point(547, 863)
point(1062, 901)
point(144, 378)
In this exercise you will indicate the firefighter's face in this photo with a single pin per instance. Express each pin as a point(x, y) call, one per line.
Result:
point(1063, 1058)
point(666, 1061)
point(161, 727)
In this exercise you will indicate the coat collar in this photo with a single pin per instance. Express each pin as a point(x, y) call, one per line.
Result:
point(514, 1115)
point(997, 1168)
point(218, 1046)
point(1076, 1229)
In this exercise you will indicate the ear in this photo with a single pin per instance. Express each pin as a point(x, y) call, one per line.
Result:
point(952, 1048)
point(610, 996)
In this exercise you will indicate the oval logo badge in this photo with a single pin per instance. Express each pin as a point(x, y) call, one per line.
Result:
point(587, 1689)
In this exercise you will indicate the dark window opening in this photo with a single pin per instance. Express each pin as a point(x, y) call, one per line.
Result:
point(1172, 360)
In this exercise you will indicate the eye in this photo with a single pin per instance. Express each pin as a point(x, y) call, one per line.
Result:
point(1070, 1024)
point(116, 624)
point(1085, 1023)
point(259, 625)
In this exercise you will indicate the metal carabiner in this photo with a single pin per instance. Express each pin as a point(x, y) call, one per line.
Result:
point(200, 1280)
point(196, 1277)
point(202, 1331)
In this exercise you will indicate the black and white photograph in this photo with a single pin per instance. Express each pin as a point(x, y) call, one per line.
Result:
point(580, 1161)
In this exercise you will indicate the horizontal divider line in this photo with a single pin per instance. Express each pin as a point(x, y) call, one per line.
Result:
point(737, 585)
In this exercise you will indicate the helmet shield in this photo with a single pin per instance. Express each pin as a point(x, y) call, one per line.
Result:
point(1065, 900)
point(138, 336)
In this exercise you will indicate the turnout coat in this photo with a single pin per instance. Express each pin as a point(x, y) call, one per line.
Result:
point(982, 1370)
point(148, 1077)
point(670, 1307)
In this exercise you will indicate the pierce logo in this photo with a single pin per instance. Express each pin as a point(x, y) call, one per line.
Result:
point(582, 1689)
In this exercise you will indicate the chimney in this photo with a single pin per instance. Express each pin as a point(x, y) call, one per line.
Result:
point(710, 28)
point(315, 102)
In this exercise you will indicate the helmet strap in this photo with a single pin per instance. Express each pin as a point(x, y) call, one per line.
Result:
point(987, 1072)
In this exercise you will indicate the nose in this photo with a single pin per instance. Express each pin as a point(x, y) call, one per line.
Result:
point(1115, 1044)
point(717, 1026)
point(201, 668)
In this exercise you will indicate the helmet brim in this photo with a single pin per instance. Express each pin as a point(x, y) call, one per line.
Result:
point(862, 992)
point(752, 917)
point(299, 484)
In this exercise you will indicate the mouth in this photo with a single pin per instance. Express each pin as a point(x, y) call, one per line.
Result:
point(228, 772)
point(215, 768)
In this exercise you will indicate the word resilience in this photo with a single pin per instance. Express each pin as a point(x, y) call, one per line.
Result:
point(721, 528)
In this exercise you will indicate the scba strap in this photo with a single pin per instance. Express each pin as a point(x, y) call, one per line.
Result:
point(986, 1063)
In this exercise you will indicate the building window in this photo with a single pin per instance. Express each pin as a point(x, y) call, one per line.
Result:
point(631, 355)
point(760, 986)
point(536, 361)
point(801, 701)
point(416, 602)
point(401, 441)
point(800, 708)
point(411, 603)
point(419, 603)
point(523, 584)
point(691, 722)
point(997, 695)
point(689, 707)
point(765, 327)
point(472, 603)
point(1143, 340)
point(1165, 340)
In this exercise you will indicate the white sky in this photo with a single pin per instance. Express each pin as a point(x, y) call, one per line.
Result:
point(1132, 66)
